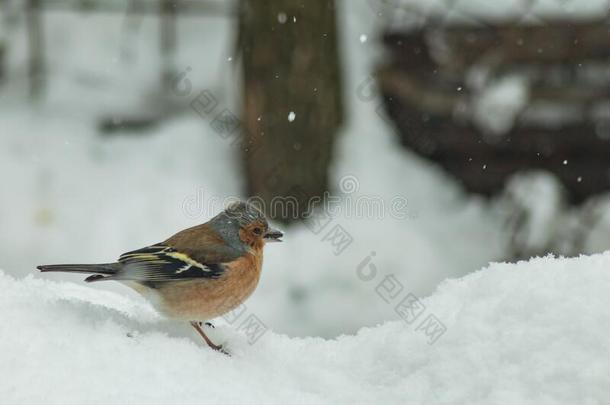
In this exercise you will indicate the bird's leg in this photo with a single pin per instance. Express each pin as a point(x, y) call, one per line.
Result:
point(197, 327)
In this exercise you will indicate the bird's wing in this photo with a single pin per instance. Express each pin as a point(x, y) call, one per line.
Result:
point(161, 263)
point(204, 244)
point(194, 253)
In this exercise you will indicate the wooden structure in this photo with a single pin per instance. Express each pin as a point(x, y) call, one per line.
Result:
point(428, 93)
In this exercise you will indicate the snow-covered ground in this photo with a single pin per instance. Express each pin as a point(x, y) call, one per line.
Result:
point(529, 333)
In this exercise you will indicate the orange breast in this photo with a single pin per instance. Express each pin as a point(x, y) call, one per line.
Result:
point(199, 300)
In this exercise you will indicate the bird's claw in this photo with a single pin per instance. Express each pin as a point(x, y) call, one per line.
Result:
point(222, 350)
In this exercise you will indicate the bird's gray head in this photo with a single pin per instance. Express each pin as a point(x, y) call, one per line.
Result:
point(242, 223)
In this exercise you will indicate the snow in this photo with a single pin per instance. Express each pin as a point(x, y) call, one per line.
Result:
point(498, 104)
point(401, 13)
point(527, 333)
point(536, 202)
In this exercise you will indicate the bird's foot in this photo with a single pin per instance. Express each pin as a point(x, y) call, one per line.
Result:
point(212, 345)
point(219, 348)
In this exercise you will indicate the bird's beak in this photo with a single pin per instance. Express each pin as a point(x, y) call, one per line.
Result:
point(273, 235)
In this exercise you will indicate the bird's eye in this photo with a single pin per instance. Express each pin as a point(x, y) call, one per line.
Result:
point(258, 231)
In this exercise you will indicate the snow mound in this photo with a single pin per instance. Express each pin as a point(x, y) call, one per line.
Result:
point(529, 333)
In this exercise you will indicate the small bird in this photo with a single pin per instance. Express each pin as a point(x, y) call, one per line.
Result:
point(198, 274)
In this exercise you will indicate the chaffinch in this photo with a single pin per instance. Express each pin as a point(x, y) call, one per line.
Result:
point(198, 274)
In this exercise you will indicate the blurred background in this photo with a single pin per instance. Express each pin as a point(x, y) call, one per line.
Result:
point(431, 136)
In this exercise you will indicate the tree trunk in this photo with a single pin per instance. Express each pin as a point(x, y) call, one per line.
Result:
point(292, 99)
point(36, 65)
point(167, 43)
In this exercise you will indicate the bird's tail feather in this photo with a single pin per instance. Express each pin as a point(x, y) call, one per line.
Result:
point(99, 271)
